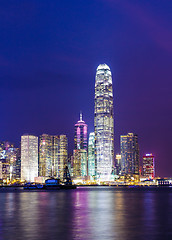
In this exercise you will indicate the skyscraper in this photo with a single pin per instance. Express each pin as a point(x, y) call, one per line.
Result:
point(45, 155)
point(61, 155)
point(129, 154)
point(79, 163)
point(104, 122)
point(29, 157)
point(149, 166)
point(91, 154)
point(53, 154)
point(80, 134)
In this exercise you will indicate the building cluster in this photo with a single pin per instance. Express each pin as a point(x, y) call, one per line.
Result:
point(10, 162)
point(93, 156)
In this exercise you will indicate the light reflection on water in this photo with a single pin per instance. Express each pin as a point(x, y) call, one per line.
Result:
point(86, 214)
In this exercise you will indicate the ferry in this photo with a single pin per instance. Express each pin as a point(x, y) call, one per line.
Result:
point(52, 184)
point(33, 186)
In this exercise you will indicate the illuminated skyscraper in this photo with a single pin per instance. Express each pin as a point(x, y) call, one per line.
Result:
point(45, 155)
point(91, 154)
point(79, 163)
point(80, 134)
point(60, 155)
point(104, 122)
point(29, 157)
point(53, 154)
point(148, 166)
point(130, 154)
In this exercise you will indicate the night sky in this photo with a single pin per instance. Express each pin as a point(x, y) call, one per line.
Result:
point(49, 52)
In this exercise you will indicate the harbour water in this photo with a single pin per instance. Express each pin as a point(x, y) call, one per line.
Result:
point(87, 213)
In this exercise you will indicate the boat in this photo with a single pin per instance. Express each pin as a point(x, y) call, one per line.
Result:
point(30, 186)
point(55, 184)
point(52, 184)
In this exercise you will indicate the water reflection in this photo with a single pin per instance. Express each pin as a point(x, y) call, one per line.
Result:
point(87, 214)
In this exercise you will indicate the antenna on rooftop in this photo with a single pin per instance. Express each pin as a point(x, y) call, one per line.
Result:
point(80, 116)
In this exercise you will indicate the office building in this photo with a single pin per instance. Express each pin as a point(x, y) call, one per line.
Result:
point(104, 123)
point(91, 154)
point(45, 155)
point(53, 155)
point(29, 157)
point(80, 138)
point(149, 166)
point(79, 163)
point(130, 154)
point(60, 155)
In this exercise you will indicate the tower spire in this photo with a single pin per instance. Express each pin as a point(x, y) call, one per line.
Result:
point(80, 116)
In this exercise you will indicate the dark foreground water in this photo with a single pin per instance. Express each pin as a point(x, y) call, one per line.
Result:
point(86, 214)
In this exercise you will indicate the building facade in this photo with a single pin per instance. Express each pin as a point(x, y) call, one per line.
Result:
point(149, 166)
point(80, 138)
point(129, 154)
point(118, 164)
point(29, 157)
point(104, 123)
point(91, 155)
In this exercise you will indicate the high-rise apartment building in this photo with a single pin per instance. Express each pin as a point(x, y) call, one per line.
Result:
point(91, 154)
point(104, 122)
point(149, 166)
point(80, 134)
point(129, 154)
point(29, 157)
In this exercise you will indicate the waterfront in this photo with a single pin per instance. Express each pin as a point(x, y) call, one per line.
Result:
point(86, 213)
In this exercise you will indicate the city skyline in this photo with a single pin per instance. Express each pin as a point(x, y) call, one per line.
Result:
point(48, 59)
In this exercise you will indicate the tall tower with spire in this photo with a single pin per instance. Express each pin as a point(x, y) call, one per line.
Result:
point(104, 123)
point(80, 134)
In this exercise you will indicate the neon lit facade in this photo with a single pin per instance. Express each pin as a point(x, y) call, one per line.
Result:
point(91, 154)
point(80, 134)
point(104, 123)
point(130, 154)
point(29, 157)
point(149, 166)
